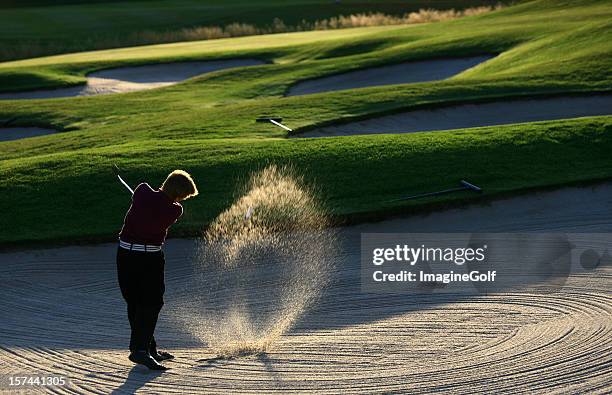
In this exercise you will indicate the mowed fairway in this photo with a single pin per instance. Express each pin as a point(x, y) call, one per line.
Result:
point(77, 25)
point(60, 187)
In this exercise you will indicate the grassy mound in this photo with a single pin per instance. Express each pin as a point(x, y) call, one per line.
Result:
point(207, 125)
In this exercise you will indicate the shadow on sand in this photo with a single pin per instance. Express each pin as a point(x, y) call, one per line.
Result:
point(262, 357)
point(137, 377)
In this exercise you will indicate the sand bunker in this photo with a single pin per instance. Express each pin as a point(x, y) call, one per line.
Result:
point(404, 73)
point(130, 79)
point(62, 314)
point(7, 134)
point(472, 115)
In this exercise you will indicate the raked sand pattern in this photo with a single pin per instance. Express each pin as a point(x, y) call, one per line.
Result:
point(62, 314)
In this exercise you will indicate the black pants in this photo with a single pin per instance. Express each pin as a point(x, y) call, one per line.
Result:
point(141, 279)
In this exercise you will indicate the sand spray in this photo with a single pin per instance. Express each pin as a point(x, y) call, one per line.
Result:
point(261, 265)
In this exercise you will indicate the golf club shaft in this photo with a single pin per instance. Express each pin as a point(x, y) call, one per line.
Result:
point(125, 184)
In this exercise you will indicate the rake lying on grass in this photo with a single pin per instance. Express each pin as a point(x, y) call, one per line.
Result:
point(464, 186)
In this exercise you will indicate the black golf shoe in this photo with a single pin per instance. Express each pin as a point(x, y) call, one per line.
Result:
point(143, 358)
point(161, 355)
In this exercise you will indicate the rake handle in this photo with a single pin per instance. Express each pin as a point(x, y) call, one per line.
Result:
point(429, 194)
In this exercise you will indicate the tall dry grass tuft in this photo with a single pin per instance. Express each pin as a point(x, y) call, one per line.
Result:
point(38, 48)
point(339, 22)
point(263, 262)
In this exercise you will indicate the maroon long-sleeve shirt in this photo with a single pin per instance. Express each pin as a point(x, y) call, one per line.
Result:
point(151, 214)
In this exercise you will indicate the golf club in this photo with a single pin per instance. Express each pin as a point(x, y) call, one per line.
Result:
point(275, 121)
point(116, 171)
point(464, 186)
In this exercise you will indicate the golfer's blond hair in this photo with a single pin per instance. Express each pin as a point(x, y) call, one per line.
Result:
point(179, 185)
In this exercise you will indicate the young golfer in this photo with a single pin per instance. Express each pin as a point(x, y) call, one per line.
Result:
point(140, 260)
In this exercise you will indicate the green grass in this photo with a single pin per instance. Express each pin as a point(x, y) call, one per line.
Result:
point(60, 187)
point(43, 27)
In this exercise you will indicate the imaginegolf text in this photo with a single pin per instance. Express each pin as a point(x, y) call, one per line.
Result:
point(446, 278)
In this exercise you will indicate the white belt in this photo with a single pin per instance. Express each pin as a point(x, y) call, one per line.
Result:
point(139, 247)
